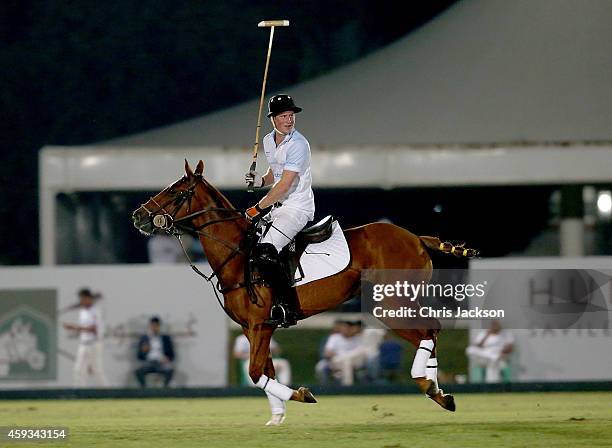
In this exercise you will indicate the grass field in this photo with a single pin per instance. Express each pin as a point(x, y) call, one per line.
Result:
point(411, 421)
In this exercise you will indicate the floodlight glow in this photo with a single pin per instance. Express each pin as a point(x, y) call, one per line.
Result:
point(604, 202)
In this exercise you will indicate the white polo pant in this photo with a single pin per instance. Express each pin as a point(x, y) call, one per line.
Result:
point(89, 361)
point(286, 223)
point(488, 358)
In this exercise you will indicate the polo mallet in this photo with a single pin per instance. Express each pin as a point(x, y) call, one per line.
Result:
point(263, 24)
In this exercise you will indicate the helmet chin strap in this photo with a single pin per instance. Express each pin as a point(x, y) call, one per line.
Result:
point(284, 134)
point(280, 132)
point(275, 129)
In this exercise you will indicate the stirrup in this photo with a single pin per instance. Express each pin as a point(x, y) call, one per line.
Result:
point(281, 321)
point(273, 319)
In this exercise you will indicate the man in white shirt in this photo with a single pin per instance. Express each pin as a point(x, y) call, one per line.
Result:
point(90, 351)
point(345, 350)
point(360, 349)
point(490, 350)
point(290, 199)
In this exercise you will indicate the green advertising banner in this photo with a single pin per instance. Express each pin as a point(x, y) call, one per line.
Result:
point(28, 338)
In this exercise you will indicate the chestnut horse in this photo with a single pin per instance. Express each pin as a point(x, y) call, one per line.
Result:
point(194, 205)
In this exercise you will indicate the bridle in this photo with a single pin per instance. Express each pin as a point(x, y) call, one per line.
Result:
point(163, 218)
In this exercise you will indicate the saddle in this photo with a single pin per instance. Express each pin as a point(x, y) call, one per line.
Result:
point(291, 253)
point(284, 312)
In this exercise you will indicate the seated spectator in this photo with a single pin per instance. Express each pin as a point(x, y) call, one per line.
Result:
point(361, 353)
point(157, 352)
point(336, 343)
point(242, 350)
point(390, 359)
point(490, 350)
point(349, 350)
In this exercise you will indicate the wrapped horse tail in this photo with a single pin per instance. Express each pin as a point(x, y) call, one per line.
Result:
point(458, 250)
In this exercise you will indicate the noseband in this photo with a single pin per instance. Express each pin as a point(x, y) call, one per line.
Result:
point(161, 218)
point(165, 220)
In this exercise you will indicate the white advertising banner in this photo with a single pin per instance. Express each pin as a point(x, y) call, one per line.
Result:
point(36, 351)
point(580, 353)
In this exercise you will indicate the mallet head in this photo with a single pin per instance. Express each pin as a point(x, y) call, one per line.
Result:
point(269, 23)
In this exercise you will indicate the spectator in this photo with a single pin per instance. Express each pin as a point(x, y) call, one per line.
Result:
point(89, 355)
point(348, 349)
point(361, 352)
point(157, 352)
point(282, 367)
point(337, 342)
point(490, 350)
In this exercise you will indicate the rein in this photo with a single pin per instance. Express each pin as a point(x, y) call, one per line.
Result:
point(166, 222)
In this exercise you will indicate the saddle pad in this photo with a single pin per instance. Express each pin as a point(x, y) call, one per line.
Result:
point(321, 260)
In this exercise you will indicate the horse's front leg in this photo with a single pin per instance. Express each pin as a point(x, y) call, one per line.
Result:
point(260, 366)
point(278, 407)
point(261, 372)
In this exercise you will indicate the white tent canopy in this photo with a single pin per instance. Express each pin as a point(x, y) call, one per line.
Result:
point(484, 71)
point(475, 97)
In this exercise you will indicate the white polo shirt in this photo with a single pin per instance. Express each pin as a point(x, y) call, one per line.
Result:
point(90, 317)
point(293, 154)
point(156, 351)
point(340, 345)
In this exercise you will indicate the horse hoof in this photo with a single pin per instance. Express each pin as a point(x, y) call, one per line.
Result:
point(305, 396)
point(449, 401)
point(427, 386)
point(446, 401)
point(276, 420)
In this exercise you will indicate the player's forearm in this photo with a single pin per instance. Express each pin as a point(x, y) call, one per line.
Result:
point(277, 193)
point(268, 178)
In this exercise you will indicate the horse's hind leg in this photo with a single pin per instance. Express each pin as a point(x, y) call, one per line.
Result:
point(424, 370)
point(425, 342)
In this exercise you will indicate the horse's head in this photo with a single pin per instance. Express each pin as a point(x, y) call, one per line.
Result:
point(170, 205)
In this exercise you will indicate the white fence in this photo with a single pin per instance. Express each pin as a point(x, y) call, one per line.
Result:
point(551, 354)
point(37, 352)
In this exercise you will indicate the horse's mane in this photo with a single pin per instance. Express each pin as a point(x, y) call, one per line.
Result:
point(220, 200)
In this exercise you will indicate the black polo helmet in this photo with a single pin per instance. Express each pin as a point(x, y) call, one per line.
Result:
point(281, 103)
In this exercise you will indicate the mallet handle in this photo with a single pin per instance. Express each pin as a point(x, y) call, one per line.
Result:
point(261, 100)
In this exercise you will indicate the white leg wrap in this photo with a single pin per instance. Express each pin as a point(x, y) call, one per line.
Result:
point(419, 365)
point(274, 387)
point(277, 406)
point(432, 371)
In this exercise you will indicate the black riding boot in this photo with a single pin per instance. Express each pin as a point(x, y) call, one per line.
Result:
point(273, 273)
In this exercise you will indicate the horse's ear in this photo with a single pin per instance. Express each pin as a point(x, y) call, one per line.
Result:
point(188, 171)
point(199, 169)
